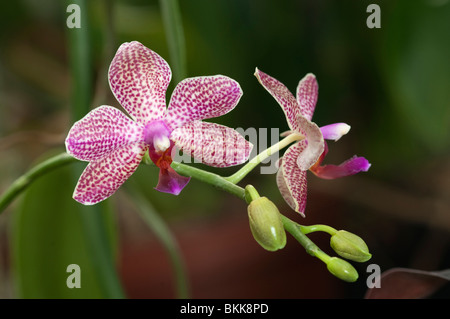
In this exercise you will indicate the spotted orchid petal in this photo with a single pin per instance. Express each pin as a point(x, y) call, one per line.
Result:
point(351, 166)
point(334, 131)
point(171, 182)
point(100, 132)
point(139, 79)
point(312, 146)
point(202, 98)
point(103, 176)
point(283, 96)
point(212, 144)
point(307, 94)
point(291, 180)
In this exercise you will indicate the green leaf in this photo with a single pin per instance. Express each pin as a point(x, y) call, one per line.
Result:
point(170, 12)
point(48, 235)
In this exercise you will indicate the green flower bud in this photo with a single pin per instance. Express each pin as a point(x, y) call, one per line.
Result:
point(266, 224)
point(342, 269)
point(350, 246)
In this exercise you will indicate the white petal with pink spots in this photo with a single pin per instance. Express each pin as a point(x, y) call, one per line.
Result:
point(102, 177)
point(100, 132)
point(139, 79)
point(291, 180)
point(202, 98)
point(212, 144)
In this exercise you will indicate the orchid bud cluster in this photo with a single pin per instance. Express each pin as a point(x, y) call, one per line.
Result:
point(266, 224)
point(115, 144)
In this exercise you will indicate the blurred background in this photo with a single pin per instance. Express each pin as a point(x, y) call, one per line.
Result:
point(391, 84)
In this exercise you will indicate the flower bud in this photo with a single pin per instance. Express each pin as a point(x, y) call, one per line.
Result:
point(350, 246)
point(342, 269)
point(266, 224)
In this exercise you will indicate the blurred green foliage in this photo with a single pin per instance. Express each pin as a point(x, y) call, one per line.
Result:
point(392, 85)
point(47, 237)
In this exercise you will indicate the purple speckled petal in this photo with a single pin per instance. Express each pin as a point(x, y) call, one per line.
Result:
point(171, 182)
point(104, 176)
point(283, 96)
point(351, 166)
point(292, 181)
point(334, 131)
point(312, 146)
point(212, 144)
point(307, 94)
point(100, 132)
point(201, 98)
point(139, 79)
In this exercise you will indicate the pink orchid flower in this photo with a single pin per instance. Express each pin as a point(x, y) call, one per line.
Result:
point(309, 152)
point(115, 144)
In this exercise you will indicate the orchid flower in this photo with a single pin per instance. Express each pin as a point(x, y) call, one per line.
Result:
point(115, 144)
point(308, 153)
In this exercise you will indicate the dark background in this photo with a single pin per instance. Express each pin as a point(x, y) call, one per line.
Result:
point(392, 85)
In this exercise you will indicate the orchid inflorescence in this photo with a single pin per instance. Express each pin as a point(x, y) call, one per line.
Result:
point(115, 144)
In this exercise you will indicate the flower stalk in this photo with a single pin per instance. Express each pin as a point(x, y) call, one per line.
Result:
point(209, 178)
point(251, 194)
point(314, 228)
point(247, 168)
point(337, 266)
point(21, 183)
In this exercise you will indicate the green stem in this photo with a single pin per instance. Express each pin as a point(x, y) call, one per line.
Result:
point(163, 233)
point(251, 194)
point(209, 178)
point(20, 184)
point(311, 248)
point(247, 168)
point(297, 231)
point(313, 228)
point(171, 16)
point(247, 195)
